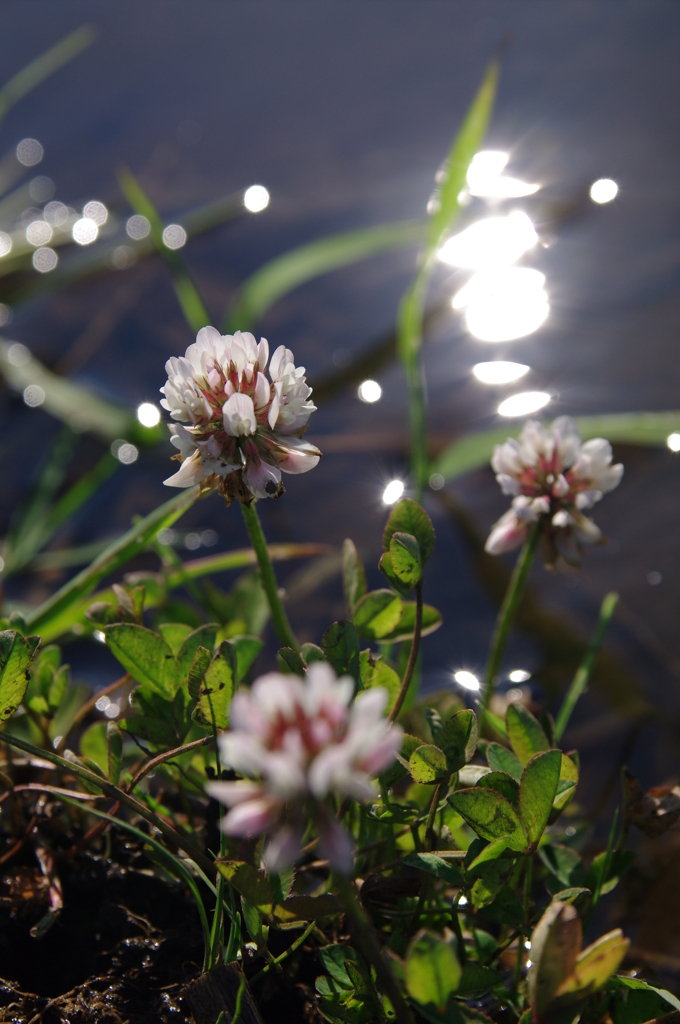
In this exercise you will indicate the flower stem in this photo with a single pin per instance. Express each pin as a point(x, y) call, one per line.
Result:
point(362, 933)
point(267, 577)
point(506, 615)
point(413, 657)
point(580, 680)
point(409, 344)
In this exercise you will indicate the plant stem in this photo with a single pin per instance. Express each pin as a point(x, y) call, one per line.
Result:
point(506, 615)
point(362, 933)
point(580, 680)
point(528, 879)
point(286, 953)
point(409, 345)
point(429, 828)
point(267, 577)
point(413, 657)
point(455, 924)
point(605, 867)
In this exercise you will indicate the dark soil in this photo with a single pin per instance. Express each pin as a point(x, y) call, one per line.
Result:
point(125, 948)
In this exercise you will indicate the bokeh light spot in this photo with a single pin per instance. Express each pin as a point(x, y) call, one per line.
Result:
point(256, 198)
point(29, 152)
point(45, 260)
point(174, 236)
point(603, 190)
point(393, 492)
point(148, 414)
point(524, 403)
point(369, 391)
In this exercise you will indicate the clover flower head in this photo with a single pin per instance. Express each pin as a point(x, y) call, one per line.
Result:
point(243, 428)
point(296, 741)
point(552, 474)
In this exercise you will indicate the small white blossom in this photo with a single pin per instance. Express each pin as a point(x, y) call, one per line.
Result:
point(243, 428)
point(552, 473)
point(297, 741)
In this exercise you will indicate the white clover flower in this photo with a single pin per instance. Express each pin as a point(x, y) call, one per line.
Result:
point(550, 472)
point(244, 429)
point(297, 741)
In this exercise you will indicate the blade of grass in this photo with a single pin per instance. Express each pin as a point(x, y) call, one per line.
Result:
point(185, 289)
point(44, 66)
point(86, 263)
point(638, 428)
point(285, 273)
point(116, 555)
point(66, 400)
point(64, 620)
point(412, 307)
point(26, 533)
point(114, 793)
point(582, 676)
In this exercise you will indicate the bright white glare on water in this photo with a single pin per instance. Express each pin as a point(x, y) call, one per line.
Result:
point(524, 403)
point(84, 231)
point(369, 391)
point(100, 637)
point(468, 680)
point(492, 242)
point(499, 372)
point(393, 492)
point(256, 198)
point(673, 442)
point(96, 211)
point(603, 190)
point(34, 396)
point(138, 227)
point(503, 304)
point(5, 243)
point(45, 260)
point(56, 214)
point(174, 236)
point(519, 675)
point(29, 152)
point(148, 414)
point(485, 178)
point(38, 232)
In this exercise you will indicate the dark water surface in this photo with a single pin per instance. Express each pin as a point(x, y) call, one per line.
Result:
point(344, 111)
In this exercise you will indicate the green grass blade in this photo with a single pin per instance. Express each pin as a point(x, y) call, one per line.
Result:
point(185, 289)
point(412, 307)
point(67, 401)
point(585, 669)
point(63, 620)
point(27, 532)
point(88, 263)
point(285, 273)
point(465, 146)
point(44, 66)
point(117, 554)
point(637, 428)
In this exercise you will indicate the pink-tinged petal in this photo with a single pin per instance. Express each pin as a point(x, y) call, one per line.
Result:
point(190, 472)
point(278, 361)
point(238, 355)
point(337, 846)
point(370, 704)
point(261, 393)
point(209, 338)
point(508, 484)
point(262, 479)
point(275, 407)
point(384, 752)
point(263, 354)
point(283, 848)
point(251, 818)
point(561, 487)
point(233, 793)
point(508, 533)
point(301, 456)
point(238, 414)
